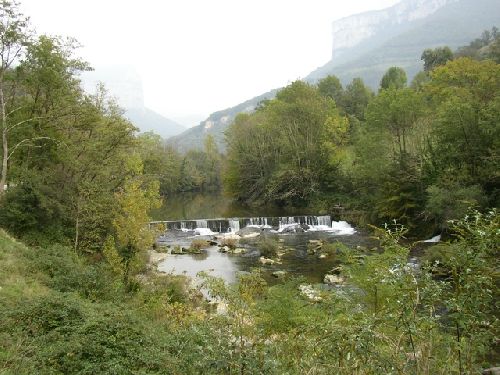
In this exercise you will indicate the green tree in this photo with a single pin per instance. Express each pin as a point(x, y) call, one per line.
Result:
point(331, 87)
point(356, 97)
point(14, 36)
point(278, 154)
point(465, 97)
point(420, 79)
point(436, 57)
point(395, 77)
point(126, 250)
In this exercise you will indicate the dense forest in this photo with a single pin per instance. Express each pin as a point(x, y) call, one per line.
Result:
point(420, 153)
point(78, 296)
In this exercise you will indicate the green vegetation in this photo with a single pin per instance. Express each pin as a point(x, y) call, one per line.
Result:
point(421, 154)
point(77, 295)
point(197, 246)
point(63, 314)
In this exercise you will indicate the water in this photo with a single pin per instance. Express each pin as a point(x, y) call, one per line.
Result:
point(296, 261)
point(192, 206)
point(202, 216)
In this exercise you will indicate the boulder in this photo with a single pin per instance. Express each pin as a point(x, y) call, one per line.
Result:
point(229, 236)
point(264, 260)
point(310, 293)
point(333, 279)
point(238, 250)
point(249, 231)
point(224, 249)
point(251, 235)
point(336, 270)
point(279, 274)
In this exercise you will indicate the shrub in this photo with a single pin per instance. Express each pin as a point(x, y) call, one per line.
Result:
point(229, 242)
point(198, 245)
point(268, 247)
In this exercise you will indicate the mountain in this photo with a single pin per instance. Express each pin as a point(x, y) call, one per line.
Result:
point(367, 44)
point(397, 36)
point(215, 125)
point(125, 85)
point(148, 120)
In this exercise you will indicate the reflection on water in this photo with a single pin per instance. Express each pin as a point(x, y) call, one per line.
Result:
point(297, 262)
point(217, 264)
point(189, 206)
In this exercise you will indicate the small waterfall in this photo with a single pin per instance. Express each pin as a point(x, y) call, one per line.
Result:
point(279, 224)
point(325, 220)
point(234, 225)
point(201, 224)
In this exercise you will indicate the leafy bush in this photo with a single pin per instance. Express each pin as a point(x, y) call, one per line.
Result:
point(229, 242)
point(268, 247)
point(198, 245)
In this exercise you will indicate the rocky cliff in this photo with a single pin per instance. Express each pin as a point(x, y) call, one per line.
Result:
point(367, 44)
point(349, 32)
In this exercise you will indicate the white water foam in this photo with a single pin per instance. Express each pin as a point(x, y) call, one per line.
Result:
point(434, 239)
point(234, 225)
point(203, 232)
point(342, 228)
point(264, 226)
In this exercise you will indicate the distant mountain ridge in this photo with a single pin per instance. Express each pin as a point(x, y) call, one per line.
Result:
point(452, 22)
point(367, 44)
point(350, 32)
point(125, 84)
point(215, 125)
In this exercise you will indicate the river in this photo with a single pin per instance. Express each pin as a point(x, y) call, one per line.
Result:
point(190, 211)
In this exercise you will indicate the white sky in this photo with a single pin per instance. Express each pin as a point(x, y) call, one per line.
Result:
point(196, 57)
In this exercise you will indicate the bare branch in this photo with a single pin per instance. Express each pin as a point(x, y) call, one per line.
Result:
point(28, 140)
point(9, 128)
point(16, 109)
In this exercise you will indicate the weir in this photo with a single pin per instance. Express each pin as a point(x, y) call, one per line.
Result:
point(281, 223)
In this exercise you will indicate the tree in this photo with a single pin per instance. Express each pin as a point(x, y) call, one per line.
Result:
point(395, 77)
point(278, 153)
point(14, 36)
point(420, 79)
point(465, 133)
point(331, 87)
point(436, 57)
point(126, 249)
point(356, 97)
point(396, 111)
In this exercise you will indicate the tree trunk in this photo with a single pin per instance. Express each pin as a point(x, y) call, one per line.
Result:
point(5, 145)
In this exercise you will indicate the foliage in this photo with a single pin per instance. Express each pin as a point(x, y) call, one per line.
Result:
point(485, 47)
point(436, 57)
point(395, 78)
point(126, 251)
point(282, 159)
point(268, 247)
point(198, 245)
point(331, 87)
point(229, 242)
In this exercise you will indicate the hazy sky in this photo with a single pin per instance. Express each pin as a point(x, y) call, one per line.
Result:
point(199, 56)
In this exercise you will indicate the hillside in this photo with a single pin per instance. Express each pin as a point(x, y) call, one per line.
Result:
point(454, 25)
point(215, 125)
point(148, 120)
point(366, 45)
point(124, 84)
